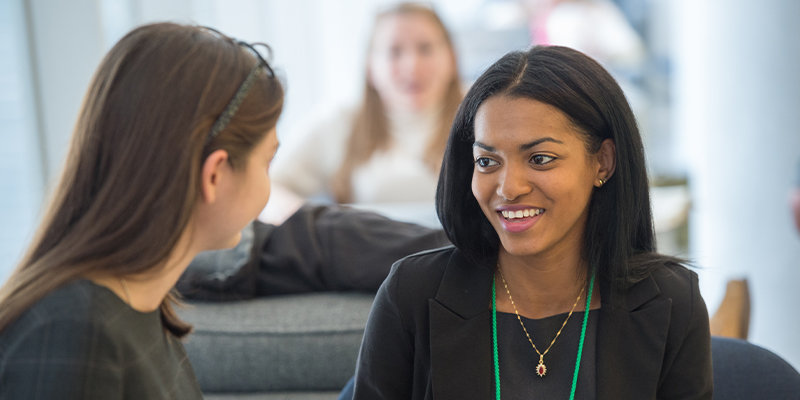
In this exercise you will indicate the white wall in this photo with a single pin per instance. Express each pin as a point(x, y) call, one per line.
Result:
point(21, 173)
point(318, 45)
point(68, 45)
point(737, 86)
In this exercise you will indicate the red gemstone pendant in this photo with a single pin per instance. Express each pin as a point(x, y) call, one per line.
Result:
point(541, 369)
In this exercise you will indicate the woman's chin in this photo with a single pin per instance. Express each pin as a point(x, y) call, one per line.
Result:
point(227, 244)
point(521, 249)
point(415, 103)
point(234, 240)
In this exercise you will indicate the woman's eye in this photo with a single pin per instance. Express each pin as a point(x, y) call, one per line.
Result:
point(541, 159)
point(484, 162)
point(395, 52)
point(425, 49)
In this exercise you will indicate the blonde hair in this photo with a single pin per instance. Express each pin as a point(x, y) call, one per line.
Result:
point(371, 126)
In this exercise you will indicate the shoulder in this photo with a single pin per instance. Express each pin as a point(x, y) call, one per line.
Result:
point(421, 274)
point(686, 368)
point(443, 275)
point(671, 276)
point(63, 328)
point(679, 285)
point(414, 280)
point(73, 302)
point(660, 278)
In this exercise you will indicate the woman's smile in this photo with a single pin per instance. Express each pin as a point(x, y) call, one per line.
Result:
point(515, 219)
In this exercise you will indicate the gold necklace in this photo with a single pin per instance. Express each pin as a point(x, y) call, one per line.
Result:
point(541, 369)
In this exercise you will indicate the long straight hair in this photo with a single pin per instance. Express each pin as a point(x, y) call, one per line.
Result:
point(371, 126)
point(132, 174)
point(619, 240)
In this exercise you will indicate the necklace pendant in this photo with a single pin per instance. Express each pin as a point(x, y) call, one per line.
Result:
point(541, 369)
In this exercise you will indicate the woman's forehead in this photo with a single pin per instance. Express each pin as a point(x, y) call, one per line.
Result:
point(397, 28)
point(521, 120)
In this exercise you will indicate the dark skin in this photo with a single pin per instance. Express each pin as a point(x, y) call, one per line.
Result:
point(531, 162)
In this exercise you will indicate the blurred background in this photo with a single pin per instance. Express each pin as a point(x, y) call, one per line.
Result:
point(715, 86)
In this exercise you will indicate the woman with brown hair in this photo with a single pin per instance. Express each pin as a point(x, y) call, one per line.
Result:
point(169, 157)
point(390, 148)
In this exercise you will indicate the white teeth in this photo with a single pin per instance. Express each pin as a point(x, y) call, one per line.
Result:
point(521, 213)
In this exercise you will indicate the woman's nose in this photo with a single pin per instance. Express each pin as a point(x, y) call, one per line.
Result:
point(513, 184)
point(410, 64)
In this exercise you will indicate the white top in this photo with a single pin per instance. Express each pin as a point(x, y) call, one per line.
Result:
point(309, 158)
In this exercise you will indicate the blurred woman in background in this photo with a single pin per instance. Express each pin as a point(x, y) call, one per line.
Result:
point(169, 158)
point(390, 148)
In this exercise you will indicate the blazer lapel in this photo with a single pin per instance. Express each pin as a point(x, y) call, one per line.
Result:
point(631, 338)
point(460, 333)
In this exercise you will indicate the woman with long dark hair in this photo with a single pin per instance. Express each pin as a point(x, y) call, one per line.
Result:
point(169, 158)
point(553, 288)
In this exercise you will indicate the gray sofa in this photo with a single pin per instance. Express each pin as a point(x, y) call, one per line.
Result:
point(285, 347)
point(291, 302)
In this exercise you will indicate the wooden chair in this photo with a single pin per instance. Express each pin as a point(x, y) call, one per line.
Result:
point(732, 318)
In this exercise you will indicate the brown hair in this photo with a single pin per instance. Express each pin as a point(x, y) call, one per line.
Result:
point(132, 175)
point(371, 126)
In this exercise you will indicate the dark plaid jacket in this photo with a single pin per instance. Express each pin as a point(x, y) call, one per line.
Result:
point(83, 342)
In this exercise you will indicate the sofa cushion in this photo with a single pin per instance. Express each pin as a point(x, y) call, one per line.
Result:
point(276, 396)
point(306, 342)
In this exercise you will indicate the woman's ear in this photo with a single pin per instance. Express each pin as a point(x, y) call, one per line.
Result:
point(214, 168)
point(607, 158)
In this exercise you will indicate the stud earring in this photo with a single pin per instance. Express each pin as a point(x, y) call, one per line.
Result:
point(602, 182)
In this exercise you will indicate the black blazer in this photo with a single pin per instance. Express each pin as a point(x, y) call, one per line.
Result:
point(428, 335)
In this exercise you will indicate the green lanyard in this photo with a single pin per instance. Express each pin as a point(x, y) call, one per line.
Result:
point(580, 344)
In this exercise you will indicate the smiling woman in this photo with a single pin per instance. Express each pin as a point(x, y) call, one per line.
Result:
point(544, 194)
point(389, 149)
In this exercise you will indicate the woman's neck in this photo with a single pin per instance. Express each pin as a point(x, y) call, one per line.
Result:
point(403, 112)
point(413, 120)
point(145, 292)
point(542, 286)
